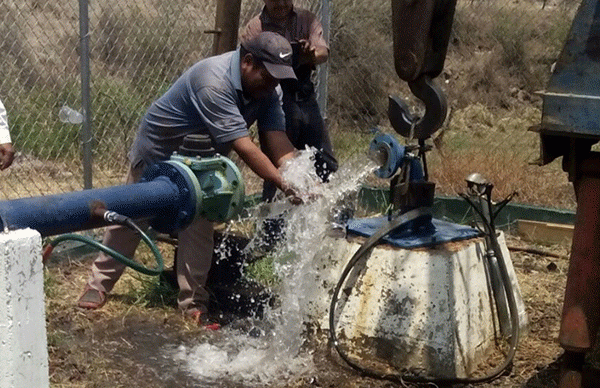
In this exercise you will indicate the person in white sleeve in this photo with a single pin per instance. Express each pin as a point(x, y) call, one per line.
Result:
point(7, 153)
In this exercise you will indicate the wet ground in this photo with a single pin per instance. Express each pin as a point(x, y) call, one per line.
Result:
point(137, 352)
point(131, 341)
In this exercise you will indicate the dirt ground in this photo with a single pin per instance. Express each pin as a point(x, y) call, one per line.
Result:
point(117, 345)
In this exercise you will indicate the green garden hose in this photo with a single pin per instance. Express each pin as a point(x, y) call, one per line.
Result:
point(111, 252)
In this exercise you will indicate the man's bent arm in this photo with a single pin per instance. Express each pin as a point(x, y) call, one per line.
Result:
point(258, 161)
point(278, 146)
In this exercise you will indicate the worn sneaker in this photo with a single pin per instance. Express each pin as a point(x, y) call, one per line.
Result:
point(91, 298)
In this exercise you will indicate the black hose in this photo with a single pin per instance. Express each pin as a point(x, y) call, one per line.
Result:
point(512, 304)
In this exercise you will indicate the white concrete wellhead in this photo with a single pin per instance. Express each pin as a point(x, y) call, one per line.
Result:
point(424, 309)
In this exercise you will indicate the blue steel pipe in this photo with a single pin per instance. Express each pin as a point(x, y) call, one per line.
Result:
point(63, 213)
point(169, 196)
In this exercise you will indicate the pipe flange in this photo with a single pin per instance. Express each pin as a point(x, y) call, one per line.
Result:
point(188, 191)
point(388, 154)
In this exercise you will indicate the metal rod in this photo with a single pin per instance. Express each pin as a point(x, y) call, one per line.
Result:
point(86, 129)
point(323, 69)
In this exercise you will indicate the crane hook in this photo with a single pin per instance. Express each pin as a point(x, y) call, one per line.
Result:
point(436, 108)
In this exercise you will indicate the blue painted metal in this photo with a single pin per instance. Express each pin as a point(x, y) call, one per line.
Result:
point(413, 234)
point(169, 196)
point(572, 97)
point(63, 213)
point(394, 155)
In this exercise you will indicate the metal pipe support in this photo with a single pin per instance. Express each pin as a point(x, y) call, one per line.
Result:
point(581, 310)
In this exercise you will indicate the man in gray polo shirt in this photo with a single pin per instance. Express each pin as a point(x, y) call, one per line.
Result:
point(220, 97)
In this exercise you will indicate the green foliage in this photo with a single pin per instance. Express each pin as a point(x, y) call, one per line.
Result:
point(118, 109)
point(263, 271)
point(150, 292)
point(158, 51)
point(160, 294)
point(51, 284)
point(511, 35)
point(349, 141)
point(39, 133)
point(361, 36)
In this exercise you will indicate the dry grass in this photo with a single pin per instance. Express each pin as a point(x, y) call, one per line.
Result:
point(118, 345)
point(81, 343)
point(541, 186)
point(497, 144)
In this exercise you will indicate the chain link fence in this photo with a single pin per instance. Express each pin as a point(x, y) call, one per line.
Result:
point(500, 54)
point(136, 50)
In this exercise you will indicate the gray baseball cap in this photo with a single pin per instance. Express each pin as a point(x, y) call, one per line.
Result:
point(274, 51)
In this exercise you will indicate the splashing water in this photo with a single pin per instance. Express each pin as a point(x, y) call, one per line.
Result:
point(275, 350)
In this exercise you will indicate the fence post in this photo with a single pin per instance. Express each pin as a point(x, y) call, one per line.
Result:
point(227, 21)
point(323, 69)
point(86, 129)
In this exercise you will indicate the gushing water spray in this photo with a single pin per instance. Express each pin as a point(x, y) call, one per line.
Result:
point(275, 351)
